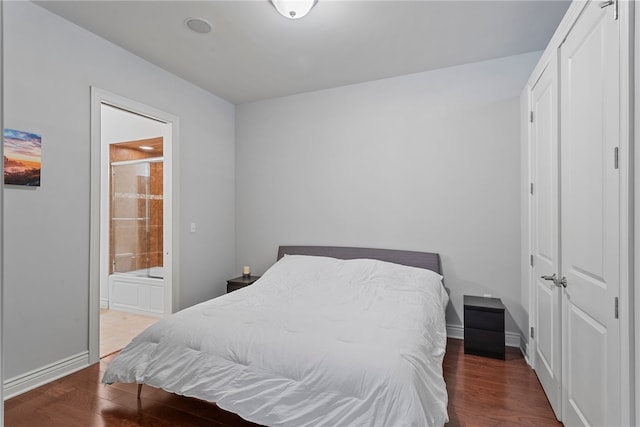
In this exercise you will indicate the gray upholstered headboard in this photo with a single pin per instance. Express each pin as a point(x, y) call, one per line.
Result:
point(426, 260)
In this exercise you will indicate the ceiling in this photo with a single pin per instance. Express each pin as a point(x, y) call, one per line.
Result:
point(253, 53)
point(152, 147)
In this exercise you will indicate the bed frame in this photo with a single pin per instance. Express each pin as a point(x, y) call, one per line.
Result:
point(428, 260)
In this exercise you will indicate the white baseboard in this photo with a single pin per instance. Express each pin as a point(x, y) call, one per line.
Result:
point(135, 310)
point(104, 303)
point(455, 331)
point(525, 352)
point(511, 339)
point(23, 383)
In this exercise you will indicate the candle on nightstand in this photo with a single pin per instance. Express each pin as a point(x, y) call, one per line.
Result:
point(246, 271)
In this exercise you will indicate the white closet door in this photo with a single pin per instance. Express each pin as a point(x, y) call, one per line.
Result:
point(545, 216)
point(590, 219)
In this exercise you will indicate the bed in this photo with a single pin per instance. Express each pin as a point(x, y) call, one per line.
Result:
point(327, 336)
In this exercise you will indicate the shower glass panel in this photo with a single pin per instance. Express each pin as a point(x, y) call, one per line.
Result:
point(136, 218)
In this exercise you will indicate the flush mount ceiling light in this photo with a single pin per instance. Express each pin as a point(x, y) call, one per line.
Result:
point(293, 9)
point(198, 25)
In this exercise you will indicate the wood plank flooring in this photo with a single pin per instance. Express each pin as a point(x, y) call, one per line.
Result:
point(491, 392)
point(482, 392)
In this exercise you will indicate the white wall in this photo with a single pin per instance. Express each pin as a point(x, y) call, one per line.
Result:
point(50, 65)
point(427, 162)
point(120, 126)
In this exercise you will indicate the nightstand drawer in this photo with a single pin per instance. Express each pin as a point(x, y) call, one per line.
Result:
point(231, 288)
point(484, 343)
point(240, 282)
point(488, 320)
point(484, 326)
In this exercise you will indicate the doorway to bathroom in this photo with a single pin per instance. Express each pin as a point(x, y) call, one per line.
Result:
point(134, 296)
point(133, 257)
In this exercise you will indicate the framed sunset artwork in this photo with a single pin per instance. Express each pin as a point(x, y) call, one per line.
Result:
point(22, 157)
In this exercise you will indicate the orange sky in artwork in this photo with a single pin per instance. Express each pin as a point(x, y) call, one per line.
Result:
point(28, 164)
point(26, 160)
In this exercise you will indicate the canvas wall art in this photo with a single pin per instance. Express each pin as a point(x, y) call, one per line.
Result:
point(22, 157)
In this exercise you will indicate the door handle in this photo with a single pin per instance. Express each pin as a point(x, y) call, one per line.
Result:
point(558, 282)
point(562, 282)
point(606, 3)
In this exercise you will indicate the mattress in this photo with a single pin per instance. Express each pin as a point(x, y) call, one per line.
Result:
point(315, 341)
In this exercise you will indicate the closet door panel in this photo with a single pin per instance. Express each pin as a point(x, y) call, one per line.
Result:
point(589, 194)
point(545, 244)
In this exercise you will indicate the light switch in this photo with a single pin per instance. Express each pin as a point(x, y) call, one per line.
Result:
point(193, 227)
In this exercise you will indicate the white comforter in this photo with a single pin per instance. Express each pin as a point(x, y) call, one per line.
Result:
point(315, 341)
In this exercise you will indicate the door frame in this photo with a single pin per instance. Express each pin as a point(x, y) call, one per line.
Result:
point(635, 121)
point(99, 175)
point(629, 201)
point(627, 214)
point(1, 224)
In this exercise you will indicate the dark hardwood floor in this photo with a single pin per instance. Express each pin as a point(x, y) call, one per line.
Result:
point(491, 392)
point(482, 392)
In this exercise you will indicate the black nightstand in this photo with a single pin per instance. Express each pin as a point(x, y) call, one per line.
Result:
point(240, 282)
point(484, 326)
